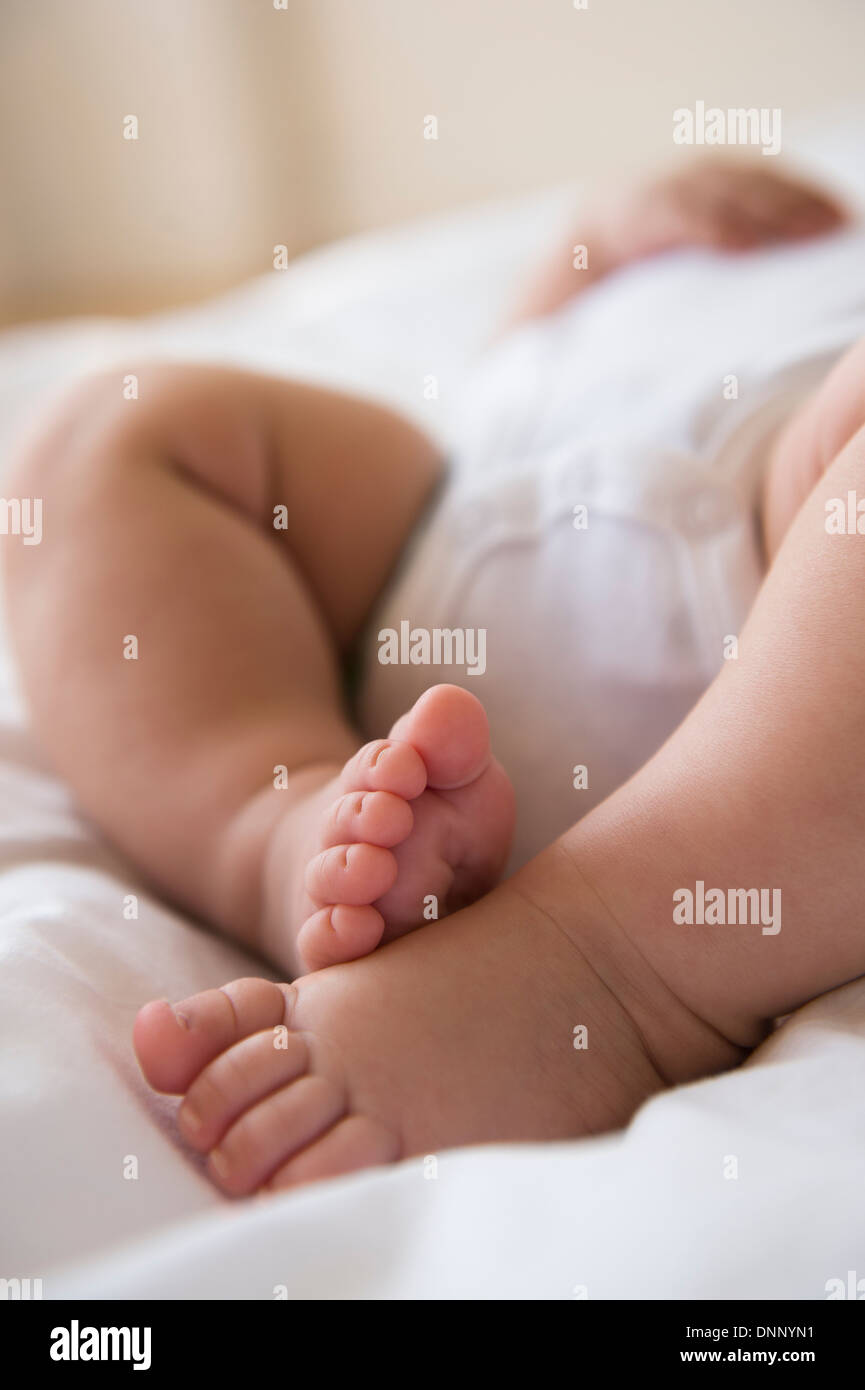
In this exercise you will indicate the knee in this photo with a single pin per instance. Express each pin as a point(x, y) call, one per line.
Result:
point(48, 470)
point(59, 430)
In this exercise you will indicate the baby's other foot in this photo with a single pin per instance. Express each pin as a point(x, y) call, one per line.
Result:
point(284, 1084)
point(413, 827)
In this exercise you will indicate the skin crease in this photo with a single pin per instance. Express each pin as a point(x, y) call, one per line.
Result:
point(241, 629)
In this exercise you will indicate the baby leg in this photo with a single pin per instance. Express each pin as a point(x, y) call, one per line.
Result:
point(763, 786)
point(579, 987)
point(210, 549)
point(810, 440)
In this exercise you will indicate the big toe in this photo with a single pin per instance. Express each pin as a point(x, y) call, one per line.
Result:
point(174, 1042)
point(448, 726)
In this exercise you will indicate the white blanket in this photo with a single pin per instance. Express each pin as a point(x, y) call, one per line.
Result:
point(746, 1186)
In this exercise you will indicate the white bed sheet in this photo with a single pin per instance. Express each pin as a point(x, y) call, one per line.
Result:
point(649, 1213)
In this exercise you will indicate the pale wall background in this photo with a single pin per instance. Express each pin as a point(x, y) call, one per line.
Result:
point(261, 126)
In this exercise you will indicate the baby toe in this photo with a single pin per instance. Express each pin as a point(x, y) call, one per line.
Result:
point(387, 765)
point(449, 729)
point(350, 874)
point(337, 934)
point(174, 1042)
point(377, 818)
point(270, 1133)
point(237, 1080)
point(353, 1143)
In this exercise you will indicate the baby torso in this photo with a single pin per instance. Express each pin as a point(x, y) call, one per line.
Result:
point(589, 565)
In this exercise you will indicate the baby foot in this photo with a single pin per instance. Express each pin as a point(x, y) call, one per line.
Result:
point(284, 1084)
point(413, 827)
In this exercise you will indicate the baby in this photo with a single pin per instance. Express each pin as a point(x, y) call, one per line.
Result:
point(212, 552)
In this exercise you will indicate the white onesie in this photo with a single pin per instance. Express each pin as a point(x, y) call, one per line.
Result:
point(595, 549)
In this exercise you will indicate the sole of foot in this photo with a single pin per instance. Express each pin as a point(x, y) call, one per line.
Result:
point(413, 827)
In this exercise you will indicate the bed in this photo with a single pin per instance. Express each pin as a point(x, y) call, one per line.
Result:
point(748, 1186)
